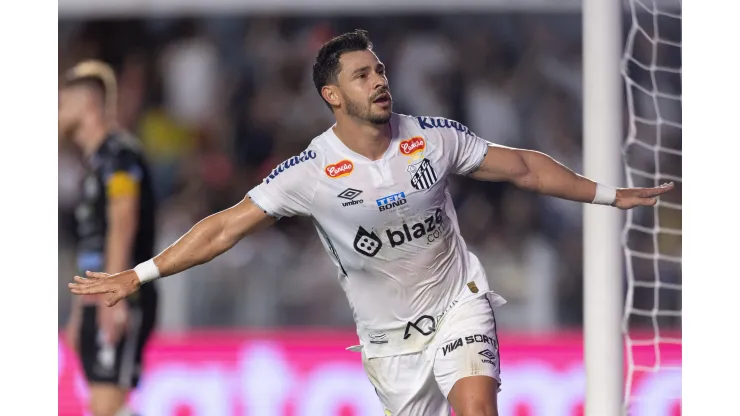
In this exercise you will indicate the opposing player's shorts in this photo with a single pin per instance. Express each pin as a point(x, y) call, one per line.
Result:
point(118, 364)
point(418, 384)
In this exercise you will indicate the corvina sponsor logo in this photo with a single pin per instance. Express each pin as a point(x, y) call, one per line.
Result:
point(304, 156)
point(438, 122)
point(412, 145)
point(339, 169)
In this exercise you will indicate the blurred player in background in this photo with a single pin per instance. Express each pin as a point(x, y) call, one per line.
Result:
point(375, 185)
point(115, 231)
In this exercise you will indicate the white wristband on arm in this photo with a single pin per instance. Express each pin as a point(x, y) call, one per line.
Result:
point(605, 195)
point(147, 271)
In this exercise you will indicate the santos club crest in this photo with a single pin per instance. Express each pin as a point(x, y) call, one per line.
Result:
point(423, 175)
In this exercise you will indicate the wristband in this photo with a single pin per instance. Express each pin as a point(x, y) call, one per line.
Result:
point(147, 271)
point(605, 195)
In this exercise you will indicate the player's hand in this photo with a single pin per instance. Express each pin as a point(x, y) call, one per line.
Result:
point(113, 287)
point(628, 198)
point(112, 321)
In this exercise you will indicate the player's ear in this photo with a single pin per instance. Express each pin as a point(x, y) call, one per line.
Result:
point(330, 93)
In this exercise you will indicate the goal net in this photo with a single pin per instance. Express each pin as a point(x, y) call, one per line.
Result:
point(651, 68)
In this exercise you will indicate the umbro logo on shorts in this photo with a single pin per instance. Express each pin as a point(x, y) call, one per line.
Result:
point(423, 175)
point(491, 357)
point(488, 354)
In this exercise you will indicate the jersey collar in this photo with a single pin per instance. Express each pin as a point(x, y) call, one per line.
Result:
point(390, 151)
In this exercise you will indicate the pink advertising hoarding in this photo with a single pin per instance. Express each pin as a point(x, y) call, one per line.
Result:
point(309, 373)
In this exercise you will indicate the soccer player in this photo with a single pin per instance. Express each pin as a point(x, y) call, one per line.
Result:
point(115, 231)
point(375, 184)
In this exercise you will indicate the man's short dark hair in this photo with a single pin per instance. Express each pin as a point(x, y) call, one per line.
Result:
point(326, 68)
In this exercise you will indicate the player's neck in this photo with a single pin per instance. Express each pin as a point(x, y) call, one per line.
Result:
point(369, 140)
point(90, 136)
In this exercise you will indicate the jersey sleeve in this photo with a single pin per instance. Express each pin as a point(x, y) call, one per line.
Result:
point(289, 189)
point(464, 149)
point(122, 177)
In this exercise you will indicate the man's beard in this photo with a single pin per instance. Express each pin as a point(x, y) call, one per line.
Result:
point(355, 110)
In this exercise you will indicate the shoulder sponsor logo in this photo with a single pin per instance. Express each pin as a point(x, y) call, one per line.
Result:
point(391, 201)
point(440, 123)
point(293, 161)
point(350, 194)
point(412, 145)
point(339, 169)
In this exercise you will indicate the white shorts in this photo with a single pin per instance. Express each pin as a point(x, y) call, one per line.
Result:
point(418, 384)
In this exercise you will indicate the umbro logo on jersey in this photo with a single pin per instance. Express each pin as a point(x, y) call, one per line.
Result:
point(367, 243)
point(339, 169)
point(350, 194)
point(423, 175)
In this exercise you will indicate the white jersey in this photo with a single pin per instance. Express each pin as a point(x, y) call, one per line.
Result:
point(389, 226)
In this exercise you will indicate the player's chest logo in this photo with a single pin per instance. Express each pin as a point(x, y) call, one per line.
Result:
point(423, 175)
point(413, 146)
point(349, 197)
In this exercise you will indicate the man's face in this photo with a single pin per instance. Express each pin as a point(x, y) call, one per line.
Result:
point(364, 87)
point(71, 107)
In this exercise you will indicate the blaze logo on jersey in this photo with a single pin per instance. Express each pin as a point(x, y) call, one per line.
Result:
point(423, 175)
point(367, 243)
point(429, 229)
point(339, 169)
point(432, 227)
point(412, 145)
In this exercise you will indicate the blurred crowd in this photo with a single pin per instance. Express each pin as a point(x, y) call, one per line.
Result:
point(219, 101)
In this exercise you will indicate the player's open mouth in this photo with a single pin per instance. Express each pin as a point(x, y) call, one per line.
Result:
point(383, 99)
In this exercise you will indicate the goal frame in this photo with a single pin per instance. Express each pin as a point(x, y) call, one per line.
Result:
point(602, 254)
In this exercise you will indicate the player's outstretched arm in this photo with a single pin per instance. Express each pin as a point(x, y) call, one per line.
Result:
point(206, 240)
point(538, 172)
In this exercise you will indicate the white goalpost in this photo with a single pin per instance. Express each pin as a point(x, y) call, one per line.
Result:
point(646, 321)
point(602, 122)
